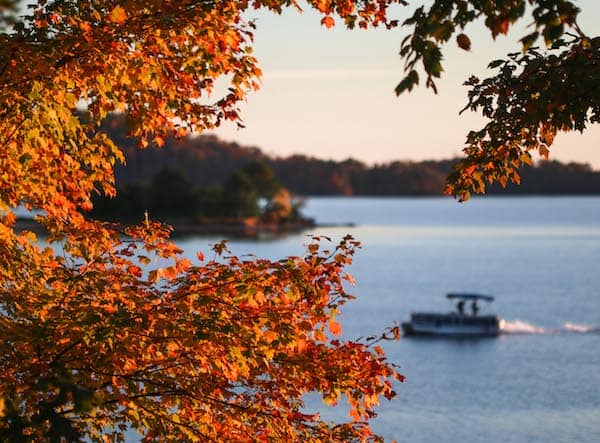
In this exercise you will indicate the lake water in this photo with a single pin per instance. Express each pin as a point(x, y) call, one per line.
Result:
point(540, 258)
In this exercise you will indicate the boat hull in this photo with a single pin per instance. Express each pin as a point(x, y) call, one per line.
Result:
point(452, 325)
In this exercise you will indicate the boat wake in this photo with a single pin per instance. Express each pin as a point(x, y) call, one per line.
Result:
point(520, 327)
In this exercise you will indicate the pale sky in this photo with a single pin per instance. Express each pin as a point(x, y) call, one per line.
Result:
point(330, 94)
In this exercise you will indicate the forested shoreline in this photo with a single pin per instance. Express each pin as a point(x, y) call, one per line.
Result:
point(206, 161)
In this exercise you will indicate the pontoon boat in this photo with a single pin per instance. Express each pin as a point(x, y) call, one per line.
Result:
point(460, 323)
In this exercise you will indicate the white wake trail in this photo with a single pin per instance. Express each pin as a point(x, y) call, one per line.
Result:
point(569, 327)
point(520, 327)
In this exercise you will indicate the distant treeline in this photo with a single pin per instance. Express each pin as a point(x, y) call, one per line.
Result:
point(208, 162)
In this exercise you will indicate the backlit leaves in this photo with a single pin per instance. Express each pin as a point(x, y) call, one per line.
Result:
point(328, 22)
point(525, 112)
point(110, 327)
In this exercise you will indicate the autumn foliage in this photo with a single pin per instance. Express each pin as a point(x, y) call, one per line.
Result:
point(105, 328)
point(223, 350)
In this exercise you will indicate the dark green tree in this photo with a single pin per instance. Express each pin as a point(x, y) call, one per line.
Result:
point(240, 196)
point(263, 179)
point(172, 194)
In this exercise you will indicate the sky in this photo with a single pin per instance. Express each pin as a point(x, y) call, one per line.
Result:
point(329, 93)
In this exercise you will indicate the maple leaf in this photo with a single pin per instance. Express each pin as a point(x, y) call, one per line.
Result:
point(328, 22)
point(335, 327)
point(118, 15)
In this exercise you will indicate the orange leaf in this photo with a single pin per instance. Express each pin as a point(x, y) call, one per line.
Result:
point(85, 27)
point(172, 348)
point(349, 278)
point(300, 345)
point(118, 15)
point(183, 264)
point(136, 271)
point(130, 365)
point(323, 5)
point(153, 276)
point(328, 22)
point(270, 336)
point(169, 273)
point(335, 327)
point(111, 309)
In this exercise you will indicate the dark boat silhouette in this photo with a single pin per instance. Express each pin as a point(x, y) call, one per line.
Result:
point(460, 323)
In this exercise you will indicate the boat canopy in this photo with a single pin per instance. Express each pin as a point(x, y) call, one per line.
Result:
point(468, 296)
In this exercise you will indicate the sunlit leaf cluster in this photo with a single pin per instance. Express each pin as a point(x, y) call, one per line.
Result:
point(106, 328)
point(219, 350)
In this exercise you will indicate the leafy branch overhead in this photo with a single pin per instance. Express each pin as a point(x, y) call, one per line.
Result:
point(535, 95)
point(532, 98)
point(434, 25)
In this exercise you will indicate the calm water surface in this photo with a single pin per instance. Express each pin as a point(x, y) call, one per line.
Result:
point(540, 257)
